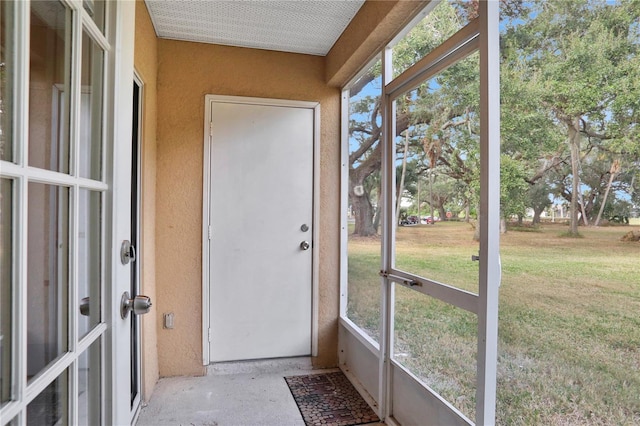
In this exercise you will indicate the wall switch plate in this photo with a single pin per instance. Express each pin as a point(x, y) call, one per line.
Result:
point(168, 320)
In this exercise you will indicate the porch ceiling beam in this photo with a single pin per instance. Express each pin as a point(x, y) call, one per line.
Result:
point(375, 24)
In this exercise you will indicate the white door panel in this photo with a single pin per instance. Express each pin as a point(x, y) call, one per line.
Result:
point(261, 196)
point(120, 351)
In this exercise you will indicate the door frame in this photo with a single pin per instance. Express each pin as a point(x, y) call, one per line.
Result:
point(206, 201)
point(136, 141)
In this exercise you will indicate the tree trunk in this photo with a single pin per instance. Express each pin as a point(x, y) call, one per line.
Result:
point(467, 213)
point(443, 214)
point(433, 222)
point(404, 171)
point(536, 216)
point(585, 216)
point(476, 233)
point(363, 215)
point(615, 169)
point(574, 146)
point(378, 212)
point(503, 225)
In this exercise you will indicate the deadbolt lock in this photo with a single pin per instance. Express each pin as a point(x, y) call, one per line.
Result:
point(127, 252)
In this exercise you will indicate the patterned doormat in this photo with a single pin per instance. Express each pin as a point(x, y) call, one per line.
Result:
point(329, 399)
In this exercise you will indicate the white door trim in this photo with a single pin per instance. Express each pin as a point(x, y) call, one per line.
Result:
point(206, 199)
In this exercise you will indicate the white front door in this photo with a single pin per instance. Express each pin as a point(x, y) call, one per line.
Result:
point(261, 227)
point(65, 127)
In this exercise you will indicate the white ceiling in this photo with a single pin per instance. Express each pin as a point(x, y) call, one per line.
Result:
point(299, 26)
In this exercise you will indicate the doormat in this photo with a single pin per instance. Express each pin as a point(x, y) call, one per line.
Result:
point(329, 399)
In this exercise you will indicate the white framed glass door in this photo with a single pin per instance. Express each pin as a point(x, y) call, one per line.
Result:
point(61, 334)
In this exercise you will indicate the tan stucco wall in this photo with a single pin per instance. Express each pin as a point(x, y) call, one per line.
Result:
point(146, 63)
point(186, 73)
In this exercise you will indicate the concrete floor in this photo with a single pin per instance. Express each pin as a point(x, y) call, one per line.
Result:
point(232, 394)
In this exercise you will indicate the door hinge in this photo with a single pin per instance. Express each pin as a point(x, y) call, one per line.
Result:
point(209, 334)
point(211, 128)
point(209, 232)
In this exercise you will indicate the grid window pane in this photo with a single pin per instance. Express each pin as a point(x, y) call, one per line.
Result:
point(48, 281)
point(91, 109)
point(49, 84)
point(6, 272)
point(89, 256)
point(51, 407)
point(95, 9)
point(89, 385)
point(6, 79)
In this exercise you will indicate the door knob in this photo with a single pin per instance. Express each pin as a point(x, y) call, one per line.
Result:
point(139, 305)
point(305, 245)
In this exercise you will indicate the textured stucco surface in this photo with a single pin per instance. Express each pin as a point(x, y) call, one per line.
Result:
point(186, 73)
point(375, 24)
point(146, 65)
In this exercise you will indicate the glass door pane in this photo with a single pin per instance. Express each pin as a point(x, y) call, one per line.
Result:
point(51, 406)
point(6, 274)
point(437, 177)
point(96, 10)
point(50, 74)
point(89, 260)
point(48, 277)
point(91, 109)
point(6, 80)
point(89, 385)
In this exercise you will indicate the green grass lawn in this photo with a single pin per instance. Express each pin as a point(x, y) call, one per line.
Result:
point(569, 320)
